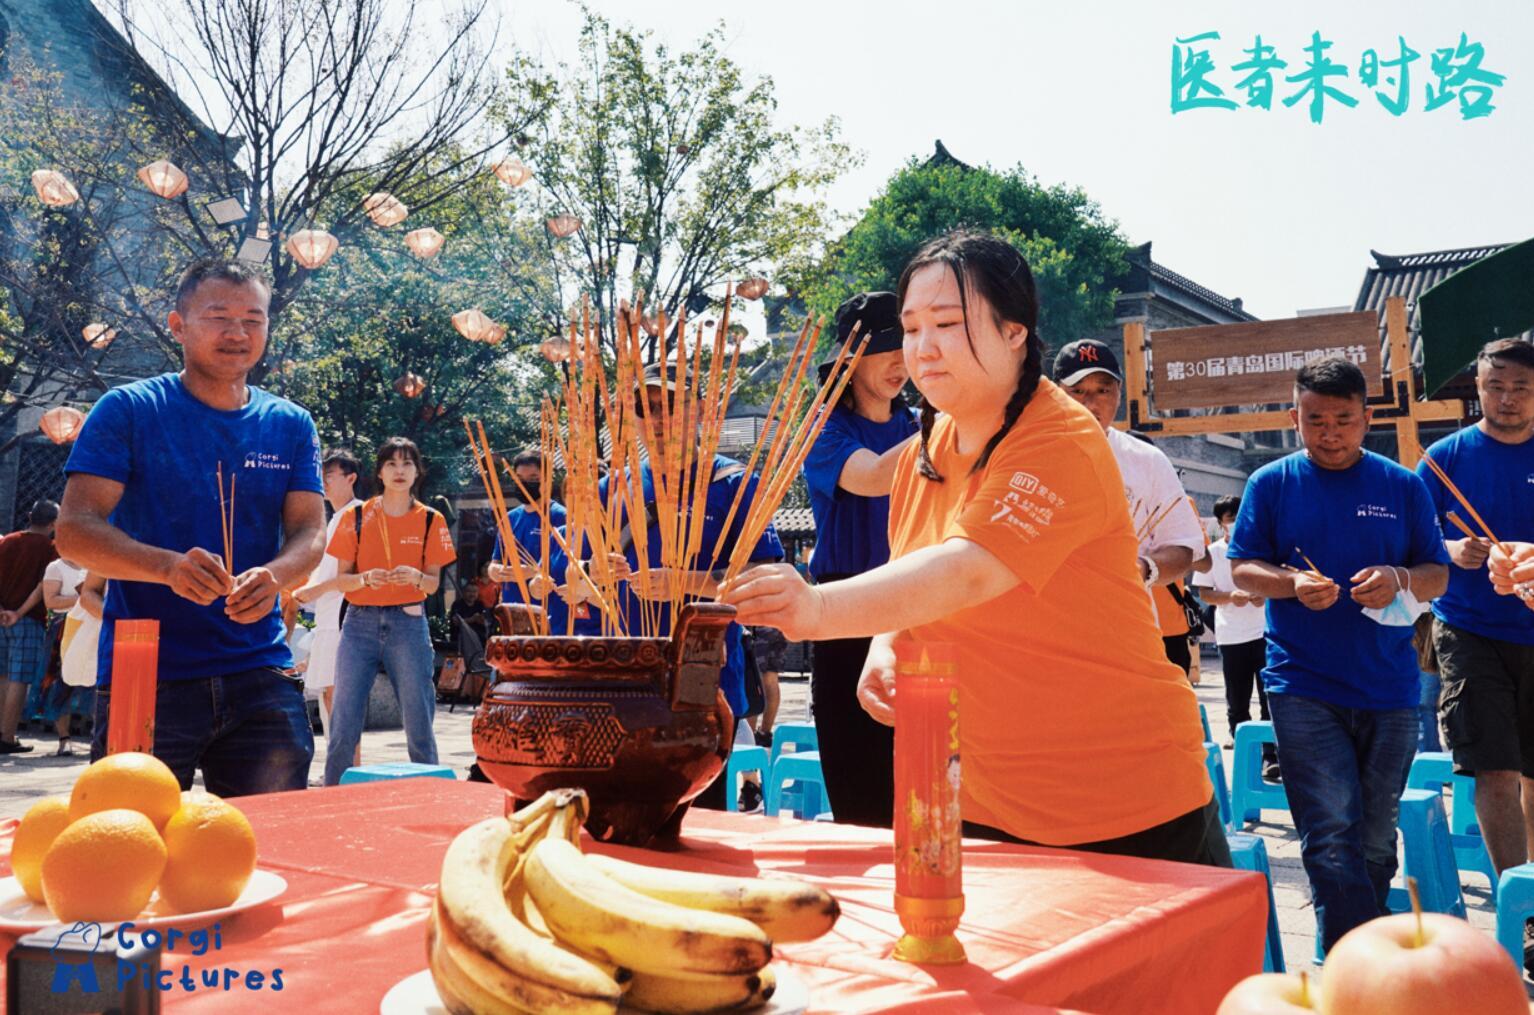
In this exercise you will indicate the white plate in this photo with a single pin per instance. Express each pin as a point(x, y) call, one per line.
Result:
point(417, 995)
point(20, 915)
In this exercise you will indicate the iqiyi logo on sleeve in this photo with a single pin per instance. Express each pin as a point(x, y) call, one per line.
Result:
point(145, 960)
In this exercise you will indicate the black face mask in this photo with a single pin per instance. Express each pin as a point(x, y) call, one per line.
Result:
point(532, 490)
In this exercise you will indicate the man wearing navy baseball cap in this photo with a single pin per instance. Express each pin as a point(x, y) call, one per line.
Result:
point(1172, 536)
point(849, 473)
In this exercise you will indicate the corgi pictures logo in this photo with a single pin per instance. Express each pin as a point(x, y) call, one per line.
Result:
point(75, 950)
point(266, 460)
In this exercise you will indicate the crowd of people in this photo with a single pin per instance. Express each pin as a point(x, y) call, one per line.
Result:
point(1006, 515)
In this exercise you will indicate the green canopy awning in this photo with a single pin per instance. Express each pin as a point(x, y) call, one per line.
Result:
point(1492, 298)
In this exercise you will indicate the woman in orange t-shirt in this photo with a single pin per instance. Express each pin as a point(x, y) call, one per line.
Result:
point(390, 553)
point(1010, 538)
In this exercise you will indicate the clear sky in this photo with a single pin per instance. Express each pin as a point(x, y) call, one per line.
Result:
point(1259, 204)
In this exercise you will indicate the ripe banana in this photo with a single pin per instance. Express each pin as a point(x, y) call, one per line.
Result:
point(476, 921)
point(677, 996)
point(482, 991)
point(597, 915)
point(785, 910)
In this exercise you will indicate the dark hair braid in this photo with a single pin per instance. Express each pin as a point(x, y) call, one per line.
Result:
point(997, 271)
point(923, 459)
point(1027, 384)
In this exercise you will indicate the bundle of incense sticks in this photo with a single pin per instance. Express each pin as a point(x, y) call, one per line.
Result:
point(484, 462)
point(1151, 524)
point(226, 516)
point(603, 428)
point(1448, 484)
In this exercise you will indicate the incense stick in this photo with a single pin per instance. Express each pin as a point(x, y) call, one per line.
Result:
point(1443, 477)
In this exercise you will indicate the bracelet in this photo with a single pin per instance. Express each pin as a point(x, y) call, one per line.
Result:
point(1524, 591)
point(1152, 572)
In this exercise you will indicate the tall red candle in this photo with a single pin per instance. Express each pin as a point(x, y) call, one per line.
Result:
point(135, 677)
point(929, 877)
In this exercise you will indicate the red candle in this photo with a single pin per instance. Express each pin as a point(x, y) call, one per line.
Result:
point(135, 676)
point(929, 881)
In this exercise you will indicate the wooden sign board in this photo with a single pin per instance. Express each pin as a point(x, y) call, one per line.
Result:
point(1254, 363)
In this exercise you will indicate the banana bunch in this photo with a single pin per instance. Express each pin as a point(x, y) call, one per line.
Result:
point(526, 922)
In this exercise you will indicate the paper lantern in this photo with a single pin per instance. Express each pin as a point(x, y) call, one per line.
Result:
point(683, 149)
point(476, 327)
point(98, 336)
point(512, 172)
point(410, 385)
point(164, 179)
point(556, 349)
point(385, 209)
point(312, 247)
point(62, 423)
point(424, 243)
point(54, 189)
point(752, 289)
point(563, 225)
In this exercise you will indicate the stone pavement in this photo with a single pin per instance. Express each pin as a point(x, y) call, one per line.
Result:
point(24, 778)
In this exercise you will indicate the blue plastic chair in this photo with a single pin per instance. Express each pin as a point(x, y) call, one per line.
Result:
point(802, 767)
point(1250, 853)
point(743, 759)
point(1515, 904)
point(1429, 856)
point(395, 770)
point(1203, 717)
point(1214, 763)
point(1250, 793)
point(799, 736)
point(1432, 770)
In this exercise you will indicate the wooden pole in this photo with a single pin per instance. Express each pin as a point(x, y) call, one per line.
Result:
point(1408, 446)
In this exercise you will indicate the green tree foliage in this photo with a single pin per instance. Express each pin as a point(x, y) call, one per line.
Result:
point(674, 165)
point(1074, 251)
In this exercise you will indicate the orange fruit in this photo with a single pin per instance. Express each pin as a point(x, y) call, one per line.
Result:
point(42, 824)
point(103, 867)
point(139, 782)
point(210, 854)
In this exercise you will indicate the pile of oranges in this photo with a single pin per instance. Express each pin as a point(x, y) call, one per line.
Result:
point(125, 830)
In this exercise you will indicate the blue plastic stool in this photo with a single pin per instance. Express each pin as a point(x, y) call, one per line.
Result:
point(395, 770)
point(1250, 853)
point(1214, 763)
point(1515, 904)
point(743, 758)
point(1429, 856)
point(1250, 794)
point(1203, 717)
point(802, 767)
point(1432, 770)
point(800, 736)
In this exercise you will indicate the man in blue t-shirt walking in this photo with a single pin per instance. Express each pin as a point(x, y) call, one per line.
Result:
point(1345, 547)
point(1485, 642)
point(533, 544)
point(157, 466)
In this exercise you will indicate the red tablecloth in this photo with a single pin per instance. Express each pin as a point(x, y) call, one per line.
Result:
point(1042, 927)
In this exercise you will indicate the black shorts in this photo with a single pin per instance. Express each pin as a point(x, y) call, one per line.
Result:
point(1486, 707)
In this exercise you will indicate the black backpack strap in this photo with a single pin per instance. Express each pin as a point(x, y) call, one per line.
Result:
point(357, 542)
point(431, 516)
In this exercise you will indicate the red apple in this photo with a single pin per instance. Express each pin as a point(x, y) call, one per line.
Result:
point(1420, 964)
point(1269, 994)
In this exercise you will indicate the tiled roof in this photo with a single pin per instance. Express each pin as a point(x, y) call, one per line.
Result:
point(1411, 275)
point(797, 521)
point(1164, 274)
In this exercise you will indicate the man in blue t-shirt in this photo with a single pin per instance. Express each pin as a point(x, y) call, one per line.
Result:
point(1343, 544)
point(1485, 642)
point(849, 472)
point(527, 529)
point(199, 497)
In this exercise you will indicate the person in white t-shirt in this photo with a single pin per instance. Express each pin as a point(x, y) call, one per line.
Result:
point(340, 473)
point(1240, 623)
point(1171, 535)
point(61, 591)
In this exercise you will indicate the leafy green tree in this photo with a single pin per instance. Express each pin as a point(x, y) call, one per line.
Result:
point(1073, 250)
point(675, 167)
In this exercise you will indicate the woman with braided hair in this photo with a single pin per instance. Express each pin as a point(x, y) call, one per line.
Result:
point(1010, 538)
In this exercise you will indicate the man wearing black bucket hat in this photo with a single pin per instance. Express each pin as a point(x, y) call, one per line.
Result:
point(849, 472)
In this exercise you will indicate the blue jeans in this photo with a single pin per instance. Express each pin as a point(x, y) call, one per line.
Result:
point(372, 636)
point(1427, 709)
point(249, 732)
point(1344, 770)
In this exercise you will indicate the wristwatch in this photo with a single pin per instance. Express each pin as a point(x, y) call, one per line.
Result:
point(1152, 572)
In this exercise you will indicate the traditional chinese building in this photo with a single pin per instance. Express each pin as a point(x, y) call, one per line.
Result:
point(98, 70)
